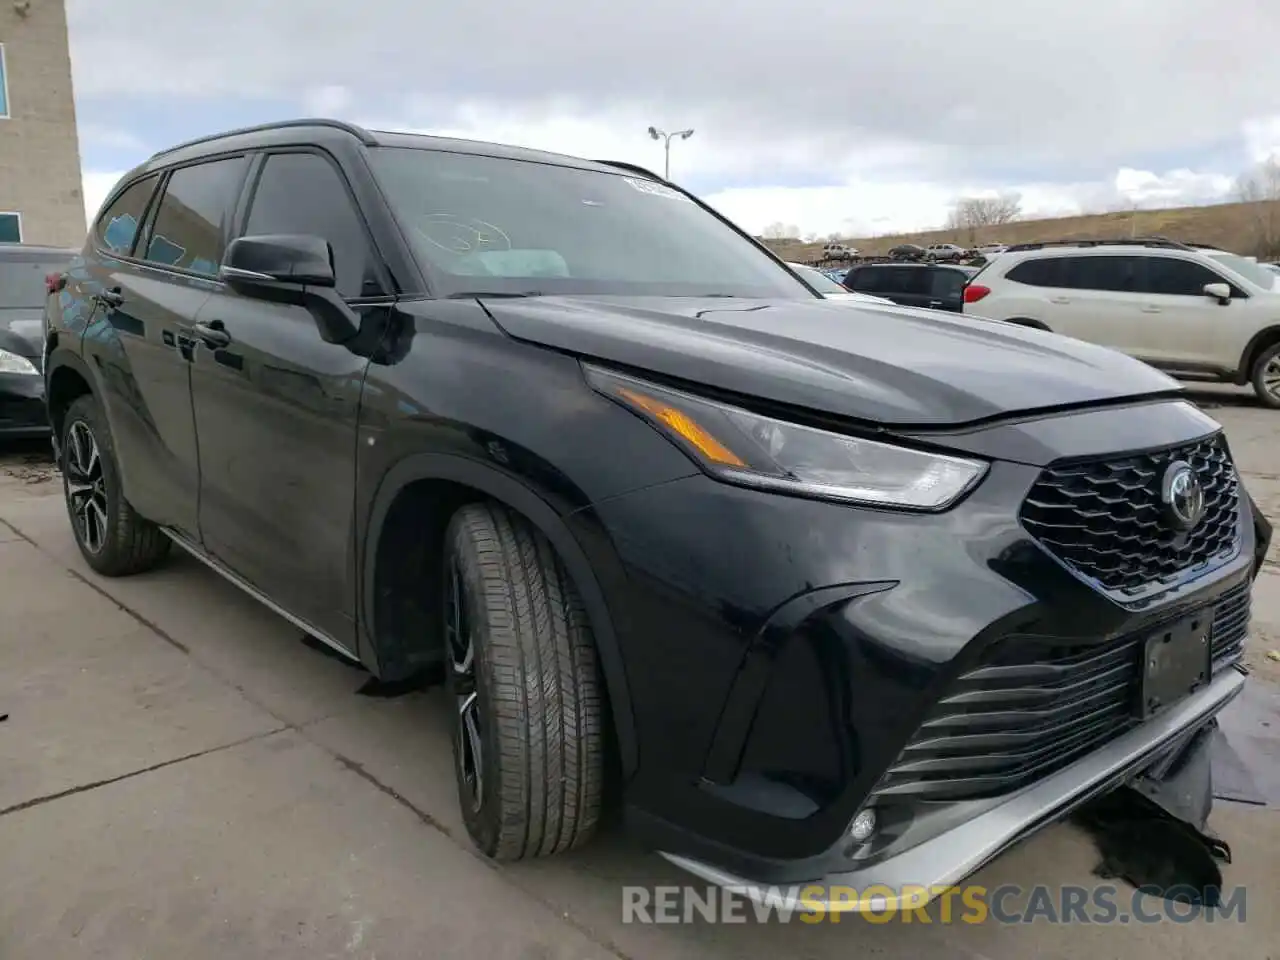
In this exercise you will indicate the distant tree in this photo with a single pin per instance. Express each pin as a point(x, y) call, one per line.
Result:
point(781, 231)
point(971, 214)
point(1261, 187)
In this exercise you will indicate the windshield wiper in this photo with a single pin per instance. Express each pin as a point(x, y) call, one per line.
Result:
point(469, 294)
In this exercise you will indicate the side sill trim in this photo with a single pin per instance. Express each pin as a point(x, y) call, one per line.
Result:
point(257, 594)
point(942, 862)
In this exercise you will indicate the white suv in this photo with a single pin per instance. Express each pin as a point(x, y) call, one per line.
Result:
point(1194, 312)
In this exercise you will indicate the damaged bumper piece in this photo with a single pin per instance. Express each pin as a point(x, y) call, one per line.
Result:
point(940, 863)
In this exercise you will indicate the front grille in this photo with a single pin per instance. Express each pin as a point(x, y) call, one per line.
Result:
point(1032, 707)
point(1104, 518)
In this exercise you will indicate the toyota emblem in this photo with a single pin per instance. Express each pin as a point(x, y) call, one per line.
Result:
point(1182, 495)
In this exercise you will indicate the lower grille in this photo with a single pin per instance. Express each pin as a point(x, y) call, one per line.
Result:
point(1033, 707)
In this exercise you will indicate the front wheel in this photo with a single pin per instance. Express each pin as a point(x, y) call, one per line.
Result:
point(112, 538)
point(1266, 377)
point(525, 688)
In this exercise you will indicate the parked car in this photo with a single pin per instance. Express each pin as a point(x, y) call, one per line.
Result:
point(838, 251)
point(989, 251)
point(945, 251)
point(906, 251)
point(930, 285)
point(832, 289)
point(1197, 313)
point(611, 467)
point(27, 273)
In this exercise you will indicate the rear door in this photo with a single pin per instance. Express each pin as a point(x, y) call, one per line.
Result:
point(147, 279)
point(1096, 298)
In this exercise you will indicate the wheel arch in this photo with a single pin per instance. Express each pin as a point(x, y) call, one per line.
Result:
point(505, 489)
point(1267, 337)
point(66, 377)
point(1028, 322)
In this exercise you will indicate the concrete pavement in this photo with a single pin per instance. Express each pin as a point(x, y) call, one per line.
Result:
point(181, 775)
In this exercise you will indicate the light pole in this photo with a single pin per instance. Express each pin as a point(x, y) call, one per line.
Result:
point(666, 138)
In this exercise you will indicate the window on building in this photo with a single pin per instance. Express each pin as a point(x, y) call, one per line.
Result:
point(4, 86)
point(10, 228)
point(190, 225)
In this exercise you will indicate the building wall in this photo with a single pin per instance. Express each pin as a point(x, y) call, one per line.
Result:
point(39, 149)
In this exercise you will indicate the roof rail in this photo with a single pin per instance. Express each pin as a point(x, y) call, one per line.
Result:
point(364, 136)
point(1164, 242)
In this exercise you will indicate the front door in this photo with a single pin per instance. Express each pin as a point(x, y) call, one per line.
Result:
point(276, 411)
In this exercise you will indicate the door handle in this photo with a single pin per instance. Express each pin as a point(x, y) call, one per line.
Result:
point(110, 298)
point(212, 334)
point(1060, 300)
point(935, 303)
point(1150, 308)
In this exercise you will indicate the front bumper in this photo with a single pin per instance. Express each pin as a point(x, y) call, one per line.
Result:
point(936, 865)
point(22, 409)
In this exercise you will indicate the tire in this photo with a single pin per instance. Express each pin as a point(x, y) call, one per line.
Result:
point(1266, 377)
point(113, 539)
point(532, 703)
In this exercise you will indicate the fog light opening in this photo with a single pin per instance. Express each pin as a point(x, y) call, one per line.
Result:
point(864, 825)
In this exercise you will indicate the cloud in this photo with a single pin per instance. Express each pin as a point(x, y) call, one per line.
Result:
point(804, 111)
point(96, 185)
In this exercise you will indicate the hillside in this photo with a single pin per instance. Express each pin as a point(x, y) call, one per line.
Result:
point(1231, 226)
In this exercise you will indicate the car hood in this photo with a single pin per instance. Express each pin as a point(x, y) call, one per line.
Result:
point(883, 364)
point(20, 330)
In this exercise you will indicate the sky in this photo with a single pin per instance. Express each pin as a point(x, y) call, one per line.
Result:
point(859, 118)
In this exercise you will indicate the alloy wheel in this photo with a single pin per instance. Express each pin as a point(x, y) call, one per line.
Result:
point(461, 650)
point(1271, 377)
point(86, 487)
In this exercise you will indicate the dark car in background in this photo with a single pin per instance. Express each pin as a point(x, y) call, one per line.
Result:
point(907, 251)
point(931, 285)
point(27, 275)
point(818, 584)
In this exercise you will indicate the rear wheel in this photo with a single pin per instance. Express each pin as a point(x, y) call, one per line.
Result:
point(1266, 377)
point(522, 674)
point(112, 538)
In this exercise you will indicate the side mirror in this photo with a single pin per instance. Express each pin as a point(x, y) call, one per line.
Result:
point(291, 269)
point(279, 260)
point(1218, 291)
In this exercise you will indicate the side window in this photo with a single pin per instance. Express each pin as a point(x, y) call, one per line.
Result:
point(864, 279)
point(1110, 274)
point(117, 228)
point(1178, 278)
point(303, 193)
point(948, 284)
point(1042, 272)
point(908, 280)
point(190, 226)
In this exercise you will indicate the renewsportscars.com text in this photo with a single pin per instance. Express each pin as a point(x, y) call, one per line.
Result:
point(1008, 904)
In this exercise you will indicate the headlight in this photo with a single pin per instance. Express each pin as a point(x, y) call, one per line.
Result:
point(751, 450)
point(12, 363)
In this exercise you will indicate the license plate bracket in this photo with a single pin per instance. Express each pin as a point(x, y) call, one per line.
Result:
point(1177, 660)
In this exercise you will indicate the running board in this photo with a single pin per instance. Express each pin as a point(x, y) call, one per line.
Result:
point(257, 594)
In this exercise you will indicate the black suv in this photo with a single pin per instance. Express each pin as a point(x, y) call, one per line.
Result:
point(855, 598)
point(930, 285)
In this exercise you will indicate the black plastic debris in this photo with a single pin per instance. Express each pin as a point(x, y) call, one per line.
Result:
point(1153, 833)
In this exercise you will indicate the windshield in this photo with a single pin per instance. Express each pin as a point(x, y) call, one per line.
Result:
point(817, 279)
point(501, 226)
point(22, 282)
point(1251, 270)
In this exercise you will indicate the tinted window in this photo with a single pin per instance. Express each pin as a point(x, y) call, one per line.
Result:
point(118, 226)
point(303, 193)
point(1043, 272)
point(949, 284)
point(190, 226)
point(22, 280)
point(1111, 274)
point(865, 279)
point(1179, 278)
point(501, 225)
point(909, 280)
